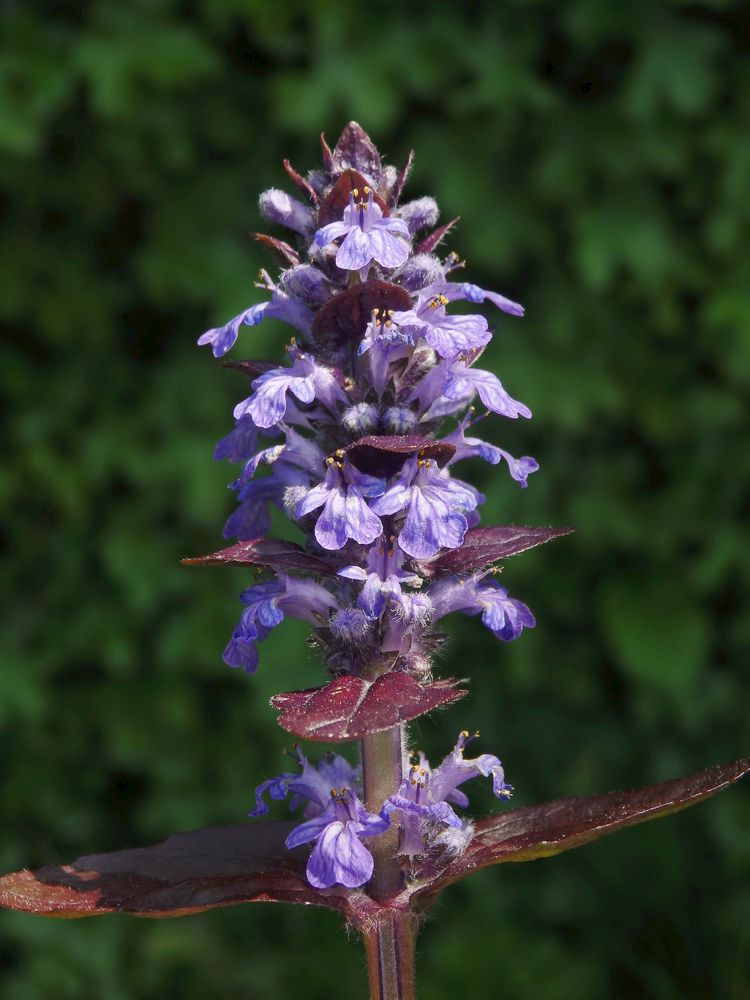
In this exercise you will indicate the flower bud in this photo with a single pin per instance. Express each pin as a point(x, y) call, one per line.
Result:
point(419, 214)
point(277, 206)
point(419, 271)
point(399, 420)
point(363, 418)
point(293, 495)
point(306, 283)
point(351, 625)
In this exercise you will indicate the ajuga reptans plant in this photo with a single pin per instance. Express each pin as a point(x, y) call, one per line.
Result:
point(358, 438)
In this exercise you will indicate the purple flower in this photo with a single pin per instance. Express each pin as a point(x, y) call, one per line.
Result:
point(331, 772)
point(504, 616)
point(407, 620)
point(473, 293)
point(448, 335)
point(252, 518)
point(266, 606)
point(240, 443)
point(424, 797)
point(383, 577)
point(435, 506)
point(304, 379)
point(367, 235)
point(471, 447)
point(346, 513)
point(452, 384)
point(279, 306)
point(337, 820)
point(386, 342)
point(223, 338)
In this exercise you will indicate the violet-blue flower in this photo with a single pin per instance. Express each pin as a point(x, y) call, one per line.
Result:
point(383, 577)
point(470, 447)
point(266, 606)
point(337, 820)
point(367, 235)
point(346, 514)
point(435, 505)
point(503, 615)
point(425, 795)
point(450, 335)
point(280, 306)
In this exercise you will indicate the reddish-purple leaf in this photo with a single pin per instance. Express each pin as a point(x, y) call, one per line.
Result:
point(552, 827)
point(484, 546)
point(281, 251)
point(384, 454)
point(333, 205)
point(301, 183)
point(355, 150)
point(187, 873)
point(351, 707)
point(273, 552)
point(429, 243)
point(345, 317)
point(398, 186)
point(248, 367)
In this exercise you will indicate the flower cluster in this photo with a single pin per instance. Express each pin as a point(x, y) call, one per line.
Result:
point(336, 821)
point(357, 439)
point(367, 421)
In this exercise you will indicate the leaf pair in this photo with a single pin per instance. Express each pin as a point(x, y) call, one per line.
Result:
point(226, 865)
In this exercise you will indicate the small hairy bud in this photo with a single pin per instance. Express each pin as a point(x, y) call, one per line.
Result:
point(419, 271)
point(450, 839)
point(362, 418)
point(277, 206)
point(350, 625)
point(419, 214)
point(399, 419)
point(306, 283)
point(292, 496)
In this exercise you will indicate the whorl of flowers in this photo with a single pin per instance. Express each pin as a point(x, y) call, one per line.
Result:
point(357, 438)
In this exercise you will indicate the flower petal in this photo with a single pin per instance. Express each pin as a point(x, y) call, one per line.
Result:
point(339, 858)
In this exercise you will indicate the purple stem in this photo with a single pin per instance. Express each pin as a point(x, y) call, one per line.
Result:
point(389, 939)
point(389, 946)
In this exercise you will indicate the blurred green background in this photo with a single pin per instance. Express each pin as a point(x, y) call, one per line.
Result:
point(599, 156)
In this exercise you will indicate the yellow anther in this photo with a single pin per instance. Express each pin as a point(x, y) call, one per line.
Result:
point(375, 311)
point(333, 793)
point(355, 192)
point(465, 734)
point(422, 771)
point(413, 781)
point(339, 453)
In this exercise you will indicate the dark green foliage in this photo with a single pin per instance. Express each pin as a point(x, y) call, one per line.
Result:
point(599, 157)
